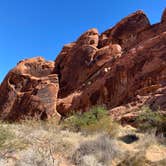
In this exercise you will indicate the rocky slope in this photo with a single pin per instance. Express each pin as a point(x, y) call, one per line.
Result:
point(122, 68)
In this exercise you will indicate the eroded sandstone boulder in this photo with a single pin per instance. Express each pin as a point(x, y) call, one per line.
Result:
point(80, 61)
point(29, 91)
point(90, 37)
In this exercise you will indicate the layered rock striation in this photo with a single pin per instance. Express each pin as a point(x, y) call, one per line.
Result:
point(124, 67)
point(29, 90)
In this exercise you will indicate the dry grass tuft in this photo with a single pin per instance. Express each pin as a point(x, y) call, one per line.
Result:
point(102, 151)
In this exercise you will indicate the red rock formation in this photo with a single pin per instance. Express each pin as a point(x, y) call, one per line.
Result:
point(126, 31)
point(163, 19)
point(124, 67)
point(29, 90)
point(141, 71)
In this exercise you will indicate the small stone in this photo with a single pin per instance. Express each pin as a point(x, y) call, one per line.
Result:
point(89, 82)
point(105, 70)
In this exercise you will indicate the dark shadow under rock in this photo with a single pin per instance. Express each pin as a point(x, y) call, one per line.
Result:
point(128, 139)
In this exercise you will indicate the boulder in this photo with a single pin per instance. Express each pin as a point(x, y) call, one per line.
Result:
point(116, 50)
point(78, 63)
point(90, 37)
point(29, 91)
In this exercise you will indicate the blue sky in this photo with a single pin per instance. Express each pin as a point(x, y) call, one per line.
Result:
point(31, 28)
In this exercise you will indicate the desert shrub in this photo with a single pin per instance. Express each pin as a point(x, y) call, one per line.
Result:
point(139, 159)
point(89, 160)
point(9, 141)
point(135, 159)
point(101, 151)
point(48, 125)
point(95, 120)
point(147, 140)
point(148, 120)
point(5, 135)
point(34, 157)
point(161, 163)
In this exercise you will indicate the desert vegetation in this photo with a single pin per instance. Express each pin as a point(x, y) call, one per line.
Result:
point(149, 120)
point(87, 139)
point(93, 121)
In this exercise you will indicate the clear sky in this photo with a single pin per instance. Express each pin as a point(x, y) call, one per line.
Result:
point(31, 28)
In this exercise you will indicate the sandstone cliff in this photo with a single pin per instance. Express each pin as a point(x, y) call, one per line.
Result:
point(122, 68)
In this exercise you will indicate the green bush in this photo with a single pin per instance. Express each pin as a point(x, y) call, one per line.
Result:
point(148, 120)
point(95, 120)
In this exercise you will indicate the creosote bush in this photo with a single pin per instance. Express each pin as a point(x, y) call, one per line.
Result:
point(149, 120)
point(94, 120)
